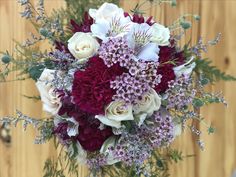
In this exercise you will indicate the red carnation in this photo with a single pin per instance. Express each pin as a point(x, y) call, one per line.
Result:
point(91, 88)
point(167, 54)
point(90, 136)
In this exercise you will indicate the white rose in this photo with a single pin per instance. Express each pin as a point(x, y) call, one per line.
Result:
point(145, 108)
point(185, 69)
point(106, 12)
point(83, 46)
point(50, 100)
point(160, 34)
point(116, 112)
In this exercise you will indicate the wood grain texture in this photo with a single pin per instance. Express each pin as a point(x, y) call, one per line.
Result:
point(24, 159)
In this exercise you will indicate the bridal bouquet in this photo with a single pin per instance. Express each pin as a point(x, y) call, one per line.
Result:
point(116, 87)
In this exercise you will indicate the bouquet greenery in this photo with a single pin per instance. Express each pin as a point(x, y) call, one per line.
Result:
point(116, 87)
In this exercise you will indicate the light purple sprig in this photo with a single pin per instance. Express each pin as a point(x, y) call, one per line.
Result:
point(116, 50)
point(180, 93)
point(162, 132)
point(136, 147)
point(141, 76)
point(97, 162)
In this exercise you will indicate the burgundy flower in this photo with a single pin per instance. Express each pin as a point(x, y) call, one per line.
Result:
point(90, 136)
point(85, 26)
point(61, 47)
point(167, 54)
point(91, 88)
point(139, 19)
point(167, 75)
point(61, 131)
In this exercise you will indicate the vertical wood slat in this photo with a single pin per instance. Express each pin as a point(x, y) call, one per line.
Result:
point(24, 159)
point(219, 159)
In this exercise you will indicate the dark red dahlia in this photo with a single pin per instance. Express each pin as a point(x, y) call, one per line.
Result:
point(85, 26)
point(167, 54)
point(91, 88)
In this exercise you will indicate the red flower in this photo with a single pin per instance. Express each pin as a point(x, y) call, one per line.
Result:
point(91, 88)
point(166, 70)
point(90, 136)
point(139, 19)
point(85, 26)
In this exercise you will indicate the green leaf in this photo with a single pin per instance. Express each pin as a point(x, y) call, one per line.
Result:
point(36, 71)
point(198, 103)
point(176, 155)
point(211, 130)
point(210, 72)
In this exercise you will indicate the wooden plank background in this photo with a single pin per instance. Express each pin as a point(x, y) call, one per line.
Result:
point(24, 159)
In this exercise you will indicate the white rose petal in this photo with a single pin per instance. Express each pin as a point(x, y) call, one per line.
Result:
point(81, 155)
point(110, 142)
point(73, 130)
point(50, 100)
point(83, 46)
point(149, 52)
point(146, 50)
point(185, 69)
point(117, 26)
point(116, 112)
point(160, 34)
point(106, 11)
point(108, 122)
point(145, 108)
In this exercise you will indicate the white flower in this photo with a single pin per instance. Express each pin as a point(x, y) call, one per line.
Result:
point(79, 153)
point(185, 69)
point(106, 12)
point(160, 34)
point(139, 39)
point(110, 142)
point(149, 52)
point(118, 26)
point(83, 46)
point(116, 112)
point(49, 98)
point(109, 21)
point(145, 108)
point(73, 127)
